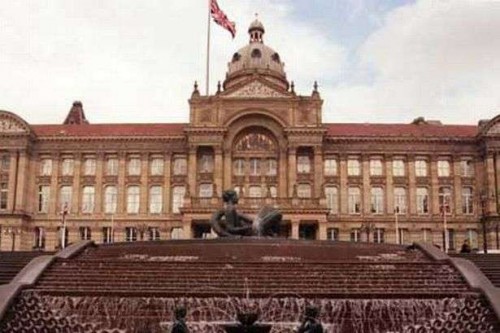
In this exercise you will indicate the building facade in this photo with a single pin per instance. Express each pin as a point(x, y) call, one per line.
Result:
point(348, 182)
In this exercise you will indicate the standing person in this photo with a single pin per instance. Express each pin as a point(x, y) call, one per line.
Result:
point(465, 247)
point(180, 325)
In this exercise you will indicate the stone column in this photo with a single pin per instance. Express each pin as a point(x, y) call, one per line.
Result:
point(144, 188)
point(122, 169)
point(366, 188)
point(282, 173)
point(434, 186)
point(389, 186)
point(192, 171)
point(292, 169)
point(343, 184)
point(166, 183)
point(218, 170)
point(228, 171)
point(187, 229)
point(99, 189)
point(322, 230)
point(318, 171)
point(412, 186)
point(54, 207)
point(457, 186)
point(75, 197)
point(295, 229)
point(11, 186)
point(22, 182)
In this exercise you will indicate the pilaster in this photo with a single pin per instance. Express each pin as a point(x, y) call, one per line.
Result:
point(122, 168)
point(292, 169)
point(144, 186)
point(412, 187)
point(12, 181)
point(192, 170)
point(99, 189)
point(366, 189)
point(54, 184)
point(218, 170)
point(75, 197)
point(434, 185)
point(457, 186)
point(343, 184)
point(22, 182)
point(166, 184)
point(389, 185)
point(318, 172)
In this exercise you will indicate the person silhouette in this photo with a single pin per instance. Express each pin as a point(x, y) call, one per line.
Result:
point(179, 325)
point(311, 323)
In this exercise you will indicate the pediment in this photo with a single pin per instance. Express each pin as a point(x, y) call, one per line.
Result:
point(491, 128)
point(255, 89)
point(12, 124)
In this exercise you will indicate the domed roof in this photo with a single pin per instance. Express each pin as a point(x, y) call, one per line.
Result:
point(256, 57)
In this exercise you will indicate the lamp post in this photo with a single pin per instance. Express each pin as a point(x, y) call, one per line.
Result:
point(13, 231)
point(396, 213)
point(63, 236)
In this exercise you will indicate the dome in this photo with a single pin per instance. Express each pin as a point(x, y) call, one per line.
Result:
point(258, 58)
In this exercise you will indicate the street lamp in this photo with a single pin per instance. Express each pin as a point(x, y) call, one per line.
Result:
point(12, 231)
point(63, 230)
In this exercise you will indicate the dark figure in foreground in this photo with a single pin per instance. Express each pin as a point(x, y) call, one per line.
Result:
point(179, 325)
point(228, 222)
point(465, 247)
point(311, 323)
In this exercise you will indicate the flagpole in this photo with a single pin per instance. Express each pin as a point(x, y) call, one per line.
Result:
point(208, 50)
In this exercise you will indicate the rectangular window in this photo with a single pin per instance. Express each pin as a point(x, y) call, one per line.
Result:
point(206, 190)
point(39, 238)
point(154, 233)
point(427, 236)
point(404, 236)
point(157, 167)
point(180, 166)
point(377, 200)
point(451, 239)
point(107, 235)
point(400, 200)
point(110, 199)
point(89, 167)
point(466, 168)
point(422, 200)
point(5, 162)
point(271, 167)
point(88, 199)
point(85, 233)
point(177, 233)
point(273, 191)
point(67, 167)
point(206, 163)
point(133, 199)
point(376, 167)
point(355, 235)
point(332, 234)
point(112, 167)
point(43, 198)
point(421, 168)
point(353, 167)
point(378, 235)
point(471, 235)
point(239, 167)
point(330, 167)
point(398, 168)
point(444, 200)
point(178, 198)
point(467, 201)
point(134, 167)
point(130, 234)
point(354, 200)
point(45, 167)
point(332, 199)
point(255, 192)
point(155, 199)
point(304, 191)
point(443, 168)
point(65, 195)
point(254, 167)
point(303, 164)
point(4, 195)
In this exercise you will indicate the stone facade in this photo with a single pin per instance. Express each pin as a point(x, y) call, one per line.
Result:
point(350, 182)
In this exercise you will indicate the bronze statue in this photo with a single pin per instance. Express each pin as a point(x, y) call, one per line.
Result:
point(228, 222)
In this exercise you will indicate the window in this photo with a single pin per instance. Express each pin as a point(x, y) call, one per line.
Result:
point(332, 199)
point(353, 168)
point(332, 234)
point(451, 239)
point(154, 233)
point(89, 167)
point(398, 168)
point(422, 200)
point(354, 200)
point(177, 233)
point(206, 163)
point(107, 235)
point(239, 167)
point(421, 168)
point(134, 167)
point(110, 199)
point(304, 191)
point(155, 199)
point(43, 198)
point(65, 196)
point(133, 197)
point(355, 235)
point(88, 199)
point(471, 235)
point(178, 198)
point(255, 192)
point(239, 190)
point(157, 167)
point(271, 167)
point(130, 234)
point(4, 194)
point(330, 167)
point(46, 167)
point(377, 200)
point(444, 200)
point(400, 200)
point(443, 168)
point(378, 235)
point(180, 166)
point(85, 233)
point(273, 191)
point(112, 167)
point(5, 162)
point(466, 168)
point(67, 167)
point(255, 167)
point(467, 203)
point(39, 238)
point(376, 167)
point(404, 236)
point(206, 190)
point(427, 235)
point(303, 164)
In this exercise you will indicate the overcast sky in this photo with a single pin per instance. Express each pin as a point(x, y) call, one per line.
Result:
point(382, 61)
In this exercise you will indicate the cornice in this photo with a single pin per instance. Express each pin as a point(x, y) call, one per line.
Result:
point(344, 139)
point(112, 138)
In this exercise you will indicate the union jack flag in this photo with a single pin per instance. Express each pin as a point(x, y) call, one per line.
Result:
point(221, 19)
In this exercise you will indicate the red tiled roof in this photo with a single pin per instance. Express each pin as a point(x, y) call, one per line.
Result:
point(402, 130)
point(101, 130)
